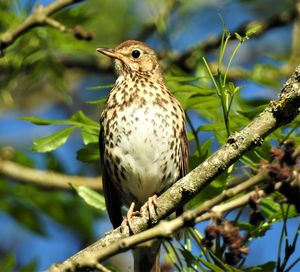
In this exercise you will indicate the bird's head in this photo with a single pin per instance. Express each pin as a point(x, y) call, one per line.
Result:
point(134, 57)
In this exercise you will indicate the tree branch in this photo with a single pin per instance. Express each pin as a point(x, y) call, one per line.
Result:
point(278, 113)
point(182, 60)
point(46, 179)
point(165, 229)
point(185, 62)
point(39, 17)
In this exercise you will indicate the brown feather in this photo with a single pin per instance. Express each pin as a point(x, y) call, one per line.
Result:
point(112, 200)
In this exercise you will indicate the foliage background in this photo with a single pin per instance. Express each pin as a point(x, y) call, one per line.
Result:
point(48, 74)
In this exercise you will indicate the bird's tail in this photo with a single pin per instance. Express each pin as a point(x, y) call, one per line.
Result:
point(147, 256)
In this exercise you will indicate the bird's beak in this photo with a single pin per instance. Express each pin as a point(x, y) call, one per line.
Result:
point(110, 53)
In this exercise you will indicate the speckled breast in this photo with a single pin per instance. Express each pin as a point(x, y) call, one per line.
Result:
point(142, 127)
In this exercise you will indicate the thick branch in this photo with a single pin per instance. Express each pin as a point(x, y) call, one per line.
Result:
point(37, 18)
point(167, 228)
point(46, 179)
point(278, 113)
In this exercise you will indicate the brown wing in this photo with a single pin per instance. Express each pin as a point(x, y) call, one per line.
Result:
point(184, 151)
point(184, 163)
point(112, 200)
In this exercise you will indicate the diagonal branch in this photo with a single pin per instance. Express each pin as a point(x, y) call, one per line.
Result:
point(278, 113)
point(165, 229)
point(39, 17)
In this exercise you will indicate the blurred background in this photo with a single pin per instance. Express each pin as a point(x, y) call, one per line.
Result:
point(50, 74)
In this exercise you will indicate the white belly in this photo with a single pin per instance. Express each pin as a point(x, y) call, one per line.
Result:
point(144, 148)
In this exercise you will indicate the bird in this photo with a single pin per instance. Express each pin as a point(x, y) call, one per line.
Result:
point(143, 142)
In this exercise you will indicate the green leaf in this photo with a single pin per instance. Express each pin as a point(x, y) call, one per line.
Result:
point(89, 153)
point(183, 98)
point(253, 28)
point(210, 104)
point(205, 148)
point(99, 102)
point(250, 114)
point(8, 263)
point(31, 267)
point(194, 160)
point(89, 135)
point(231, 89)
point(21, 195)
point(210, 191)
point(239, 37)
point(182, 78)
point(272, 211)
point(188, 257)
point(190, 136)
point(92, 88)
point(52, 141)
point(212, 127)
point(266, 267)
point(24, 213)
point(91, 197)
point(23, 159)
point(254, 231)
point(80, 117)
point(42, 122)
point(193, 89)
point(211, 266)
point(245, 226)
point(266, 74)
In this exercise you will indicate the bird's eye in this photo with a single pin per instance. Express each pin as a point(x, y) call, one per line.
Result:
point(135, 54)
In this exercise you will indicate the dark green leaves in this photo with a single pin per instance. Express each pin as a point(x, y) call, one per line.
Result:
point(273, 210)
point(91, 197)
point(24, 213)
point(78, 119)
point(266, 267)
point(89, 135)
point(90, 153)
point(213, 189)
point(52, 141)
point(9, 263)
point(89, 131)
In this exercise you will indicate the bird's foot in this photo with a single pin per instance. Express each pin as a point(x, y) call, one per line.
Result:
point(151, 205)
point(131, 213)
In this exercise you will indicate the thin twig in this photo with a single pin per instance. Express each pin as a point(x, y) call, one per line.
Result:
point(40, 16)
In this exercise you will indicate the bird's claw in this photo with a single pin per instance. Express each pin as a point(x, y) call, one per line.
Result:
point(131, 213)
point(151, 205)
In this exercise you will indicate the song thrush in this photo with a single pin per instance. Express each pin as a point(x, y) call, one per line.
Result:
point(143, 141)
